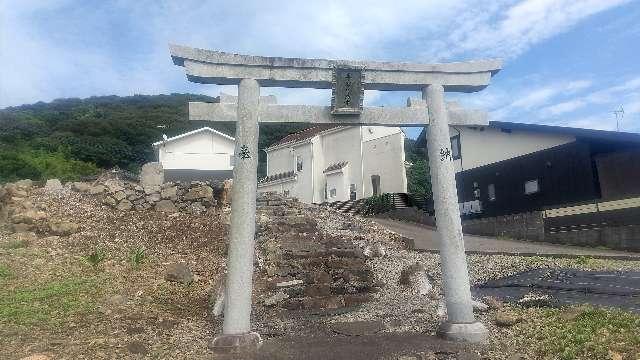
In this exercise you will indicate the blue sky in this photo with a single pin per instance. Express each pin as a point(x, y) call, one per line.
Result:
point(567, 62)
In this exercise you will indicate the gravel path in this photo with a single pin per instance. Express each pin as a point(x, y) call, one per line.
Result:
point(425, 239)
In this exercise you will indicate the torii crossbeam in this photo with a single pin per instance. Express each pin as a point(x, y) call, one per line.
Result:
point(348, 80)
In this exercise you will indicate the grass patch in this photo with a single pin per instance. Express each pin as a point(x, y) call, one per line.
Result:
point(47, 304)
point(15, 244)
point(5, 273)
point(591, 334)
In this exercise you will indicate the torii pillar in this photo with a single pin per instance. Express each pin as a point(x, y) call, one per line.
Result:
point(348, 80)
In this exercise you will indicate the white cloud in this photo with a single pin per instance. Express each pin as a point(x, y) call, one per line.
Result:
point(563, 107)
point(69, 48)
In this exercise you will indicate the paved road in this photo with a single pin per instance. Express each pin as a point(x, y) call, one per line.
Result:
point(424, 239)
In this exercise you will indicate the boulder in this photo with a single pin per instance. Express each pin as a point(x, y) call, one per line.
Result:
point(416, 277)
point(148, 190)
point(63, 228)
point(98, 189)
point(53, 185)
point(80, 187)
point(124, 205)
point(120, 195)
point(196, 208)
point(20, 228)
point(25, 184)
point(113, 185)
point(154, 198)
point(275, 299)
point(109, 200)
point(169, 193)
point(166, 206)
point(28, 217)
point(179, 272)
point(199, 192)
point(151, 175)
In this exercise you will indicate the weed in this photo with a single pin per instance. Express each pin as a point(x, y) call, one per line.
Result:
point(15, 244)
point(590, 335)
point(95, 258)
point(4, 272)
point(582, 260)
point(137, 257)
point(47, 304)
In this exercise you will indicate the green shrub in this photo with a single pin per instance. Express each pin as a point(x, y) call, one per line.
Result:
point(378, 204)
point(4, 272)
point(23, 163)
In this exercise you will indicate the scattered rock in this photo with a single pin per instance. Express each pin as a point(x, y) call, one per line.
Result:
point(289, 283)
point(36, 357)
point(493, 303)
point(506, 318)
point(179, 272)
point(53, 185)
point(479, 306)
point(124, 205)
point(276, 299)
point(137, 347)
point(536, 300)
point(374, 251)
point(166, 206)
point(63, 228)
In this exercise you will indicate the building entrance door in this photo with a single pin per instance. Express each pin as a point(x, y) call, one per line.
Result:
point(375, 183)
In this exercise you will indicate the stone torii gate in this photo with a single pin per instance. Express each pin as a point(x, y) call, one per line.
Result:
point(348, 80)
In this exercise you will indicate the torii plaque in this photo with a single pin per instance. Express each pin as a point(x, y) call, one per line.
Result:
point(348, 79)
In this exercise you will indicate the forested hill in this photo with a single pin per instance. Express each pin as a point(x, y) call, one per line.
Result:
point(68, 138)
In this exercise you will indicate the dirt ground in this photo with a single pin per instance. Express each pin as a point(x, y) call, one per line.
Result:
point(54, 302)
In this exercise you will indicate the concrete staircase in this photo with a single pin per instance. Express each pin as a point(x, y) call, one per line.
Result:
point(398, 200)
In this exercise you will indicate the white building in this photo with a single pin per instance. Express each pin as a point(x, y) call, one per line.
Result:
point(337, 163)
point(202, 154)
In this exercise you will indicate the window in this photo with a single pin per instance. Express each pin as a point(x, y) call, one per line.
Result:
point(298, 163)
point(455, 147)
point(332, 193)
point(531, 187)
point(491, 192)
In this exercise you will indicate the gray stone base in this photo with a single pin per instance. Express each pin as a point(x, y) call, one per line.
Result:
point(472, 332)
point(236, 344)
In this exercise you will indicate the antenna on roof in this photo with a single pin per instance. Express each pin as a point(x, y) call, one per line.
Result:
point(619, 116)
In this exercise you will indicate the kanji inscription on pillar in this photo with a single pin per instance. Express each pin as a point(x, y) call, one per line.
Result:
point(347, 91)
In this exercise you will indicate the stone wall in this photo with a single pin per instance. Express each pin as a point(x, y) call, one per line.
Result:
point(193, 197)
point(412, 214)
point(525, 226)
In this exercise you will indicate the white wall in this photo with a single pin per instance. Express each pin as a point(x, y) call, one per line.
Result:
point(338, 181)
point(384, 156)
point(201, 151)
point(492, 145)
point(343, 145)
